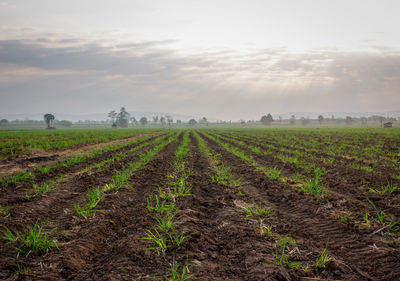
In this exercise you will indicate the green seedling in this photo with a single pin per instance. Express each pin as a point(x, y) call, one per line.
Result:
point(367, 220)
point(177, 239)
point(35, 240)
point(283, 243)
point(323, 258)
point(166, 223)
point(274, 174)
point(159, 207)
point(381, 216)
point(18, 177)
point(21, 269)
point(178, 184)
point(61, 179)
point(224, 176)
point(44, 169)
point(175, 274)
point(387, 188)
point(367, 169)
point(258, 211)
point(4, 211)
point(156, 237)
point(40, 190)
point(167, 194)
point(297, 177)
point(265, 229)
point(314, 185)
point(88, 207)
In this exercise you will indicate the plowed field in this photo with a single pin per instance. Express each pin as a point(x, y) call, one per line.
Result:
point(210, 205)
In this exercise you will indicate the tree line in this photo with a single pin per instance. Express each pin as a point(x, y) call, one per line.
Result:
point(122, 119)
point(348, 120)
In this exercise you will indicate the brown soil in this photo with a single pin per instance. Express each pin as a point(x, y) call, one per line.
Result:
point(82, 241)
point(358, 255)
point(40, 157)
point(222, 243)
point(348, 188)
point(71, 170)
point(346, 159)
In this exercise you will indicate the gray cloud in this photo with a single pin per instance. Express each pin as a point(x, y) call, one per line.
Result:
point(72, 75)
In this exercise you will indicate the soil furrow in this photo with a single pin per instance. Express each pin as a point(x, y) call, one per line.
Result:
point(56, 208)
point(71, 178)
point(305, 223)
point(341, 182)
point(222, 242)
point(67, 170)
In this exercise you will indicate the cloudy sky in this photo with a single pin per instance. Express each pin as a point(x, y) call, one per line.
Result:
point(217, 58)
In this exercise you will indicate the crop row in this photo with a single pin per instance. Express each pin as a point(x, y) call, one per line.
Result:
point(258, 215)
point(40, 189)
point(164, 204)
point(316, 186)
point(29, 176)
point(307, 164)
point(37, 240)
point(21, 143)
point(120, 179)
point(328, 146)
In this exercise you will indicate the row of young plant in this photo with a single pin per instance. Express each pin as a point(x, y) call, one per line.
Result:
point(29, 176)
point(39, 189)
point(257, 212)
point(382, 219)
point(163, 203)
point(301, 161)
point(88, 208)
point(294, 154)
point(42, 188)
point(312, 185)
point(22, 142)
point(325, 151)
point(357, 143)
point(316, 187)
point(36, 240)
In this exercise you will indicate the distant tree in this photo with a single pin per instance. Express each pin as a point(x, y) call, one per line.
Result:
point(192, 122)
point(65, 123)
point(280, 119)
point(381, 119)
point(203, 121)
point(305, 121)
point(364, 120)
point(178, 122)
point(112, 115)
point(170, 119)
point(155, 119)
point(122, 119)
point(49, 118)
point(3, 122)
point(292, 119)
point(242, 122)
point(320, 119)
point(267, 119)
point(143, 121)
point(134, 121)
point(349, 120)
point(162, 121)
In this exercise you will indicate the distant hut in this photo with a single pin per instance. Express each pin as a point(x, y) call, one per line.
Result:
point(387, 125)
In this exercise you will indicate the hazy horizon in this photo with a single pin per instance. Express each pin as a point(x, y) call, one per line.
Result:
point(211, 58)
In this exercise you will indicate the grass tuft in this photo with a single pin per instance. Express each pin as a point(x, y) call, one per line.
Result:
point(35, 240)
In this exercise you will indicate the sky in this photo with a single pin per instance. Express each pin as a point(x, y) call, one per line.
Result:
point(222, 59)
